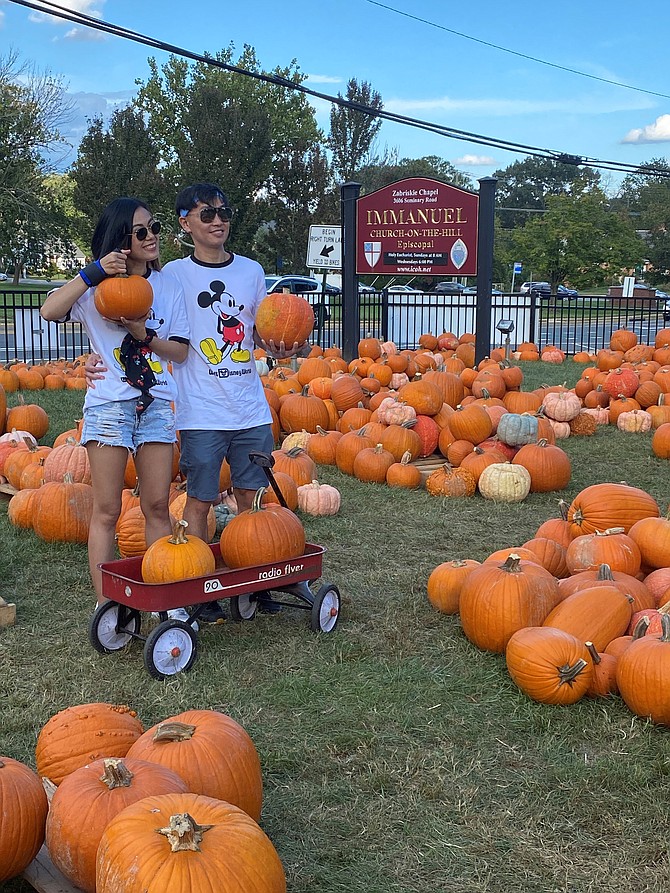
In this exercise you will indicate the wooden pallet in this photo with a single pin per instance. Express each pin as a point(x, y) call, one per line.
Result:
point(429, 464)
point(42, 874)
point(7, 491)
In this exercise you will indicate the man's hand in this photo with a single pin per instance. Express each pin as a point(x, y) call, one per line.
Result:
point(93, 369)
point(281, 351)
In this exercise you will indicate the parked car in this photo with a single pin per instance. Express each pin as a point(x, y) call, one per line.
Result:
point(298, 285)
point(3, 277)
point(562, 291)
point(366, 289)
point(404, 289)
point(449, 288)
point(472, 290)
point(539, 288)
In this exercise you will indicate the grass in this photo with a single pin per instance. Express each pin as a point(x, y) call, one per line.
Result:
point(397, 758)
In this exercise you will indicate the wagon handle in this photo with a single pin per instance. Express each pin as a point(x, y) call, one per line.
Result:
point(266, 461)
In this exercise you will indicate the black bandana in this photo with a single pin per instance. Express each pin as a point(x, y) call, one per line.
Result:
point(138, 371)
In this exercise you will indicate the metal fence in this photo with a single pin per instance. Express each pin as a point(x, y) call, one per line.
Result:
point(584, 323)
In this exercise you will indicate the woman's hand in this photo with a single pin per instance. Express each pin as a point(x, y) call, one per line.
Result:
point(93, 369)
point(114, 263)
point(136, 327)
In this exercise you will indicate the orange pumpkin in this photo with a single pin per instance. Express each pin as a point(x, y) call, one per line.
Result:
point(148, 846)
point(23, 807)
point(177, 557)
point(263, 534)
point(284, 317)
point(127, 296)
point(212, 753)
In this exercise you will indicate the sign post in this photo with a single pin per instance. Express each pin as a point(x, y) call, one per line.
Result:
point(515, 270)
point(324, 248)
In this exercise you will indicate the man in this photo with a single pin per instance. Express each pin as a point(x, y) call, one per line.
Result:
point(222, 412)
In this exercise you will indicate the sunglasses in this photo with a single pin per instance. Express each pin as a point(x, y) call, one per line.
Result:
point(208, 214)
point(142, 231)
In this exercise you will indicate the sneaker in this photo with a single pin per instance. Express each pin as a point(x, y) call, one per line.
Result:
point(212, 612)
point(180, 614)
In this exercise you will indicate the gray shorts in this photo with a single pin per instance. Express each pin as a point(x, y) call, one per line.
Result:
point(117, 424)
point(202, 453)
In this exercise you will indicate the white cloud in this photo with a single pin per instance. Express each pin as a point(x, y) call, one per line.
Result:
point(658, 132)
point(474, 160)
point(2, 18)
point(87, 7)
point(323, 79)
point(82, 35)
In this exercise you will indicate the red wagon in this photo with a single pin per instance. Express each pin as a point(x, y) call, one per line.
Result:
point(171, 646)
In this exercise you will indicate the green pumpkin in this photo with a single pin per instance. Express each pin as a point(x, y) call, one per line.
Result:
point(516, 429)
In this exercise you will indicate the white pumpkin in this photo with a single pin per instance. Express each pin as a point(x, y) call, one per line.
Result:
point(318, 499)
point(504, 482)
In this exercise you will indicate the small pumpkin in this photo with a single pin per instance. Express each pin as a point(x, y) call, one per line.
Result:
point(319, 499)
point(549, 665)
point(23, 808)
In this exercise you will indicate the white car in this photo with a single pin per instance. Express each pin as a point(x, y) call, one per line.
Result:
point(404, 289)
point(4, 277)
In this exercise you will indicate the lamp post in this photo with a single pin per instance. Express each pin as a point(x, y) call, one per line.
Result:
point(506, 327)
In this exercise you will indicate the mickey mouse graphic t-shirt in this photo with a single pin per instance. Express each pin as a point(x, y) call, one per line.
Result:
point(218, 385)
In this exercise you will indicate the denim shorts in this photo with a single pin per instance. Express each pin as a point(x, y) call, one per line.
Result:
point(202, 453)
point(117, 424)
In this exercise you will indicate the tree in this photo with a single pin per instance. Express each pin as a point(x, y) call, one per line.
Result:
point(374, 176)
point(578, 239)
point(300, 180)
point(353, 132)
point(645, 196)
point(524, 186)
point(32, 109)
point(228, 128)
point(122, 160)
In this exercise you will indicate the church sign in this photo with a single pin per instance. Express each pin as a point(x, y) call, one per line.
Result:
point(416, 227)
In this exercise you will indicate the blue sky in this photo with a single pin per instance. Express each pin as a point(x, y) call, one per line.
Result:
point(420, 69)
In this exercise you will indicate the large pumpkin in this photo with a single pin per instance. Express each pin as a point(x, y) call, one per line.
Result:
point(642, 674)
point(23, 813)
point(185, 843)
point(83, 733)
point(497, 600)
point(212, 753)
point(284, 317)
point(127, 296)
point(177, 557)
point(88, 799)
point(610, 505)
point(63, 511)
point(263, 534)
point(596, 614)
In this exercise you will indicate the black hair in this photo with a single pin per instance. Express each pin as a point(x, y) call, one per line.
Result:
point(206, 193)
point(116, 221)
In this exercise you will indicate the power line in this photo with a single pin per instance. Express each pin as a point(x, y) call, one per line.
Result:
point(524, 56)
point(276, 80)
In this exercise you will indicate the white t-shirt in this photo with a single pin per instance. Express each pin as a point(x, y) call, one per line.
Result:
point(218, 387)
point(168, 319)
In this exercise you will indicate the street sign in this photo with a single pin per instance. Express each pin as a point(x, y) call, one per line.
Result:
point(324, 248)
point(517, 267)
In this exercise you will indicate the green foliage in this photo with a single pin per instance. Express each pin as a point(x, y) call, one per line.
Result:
point(646, 195)
point(33, 225)
point(352, 133)
point(578, 240)
point(121, 159)
point(374, 176)
point(523, 187)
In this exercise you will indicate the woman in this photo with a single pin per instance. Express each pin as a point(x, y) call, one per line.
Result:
point(125, 412)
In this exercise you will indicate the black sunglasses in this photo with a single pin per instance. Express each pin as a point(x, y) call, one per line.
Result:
point(208, 214)
point(142, 231)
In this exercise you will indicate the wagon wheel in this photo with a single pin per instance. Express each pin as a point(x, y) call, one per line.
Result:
point(326, 609)
point(103, 628)
point(170, 648)
point(243, 607)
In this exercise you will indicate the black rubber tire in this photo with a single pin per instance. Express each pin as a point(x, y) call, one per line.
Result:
point(170, 648)
point(102, 627)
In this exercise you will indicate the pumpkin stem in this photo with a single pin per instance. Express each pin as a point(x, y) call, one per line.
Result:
point(593, 651)
point(178, 537)
point(605, 573)
point(665, 626)
point(184, 833)
point(513, 564)
point(641, 627)
point(567, 674)
point(174, 731)
point(116, 774)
